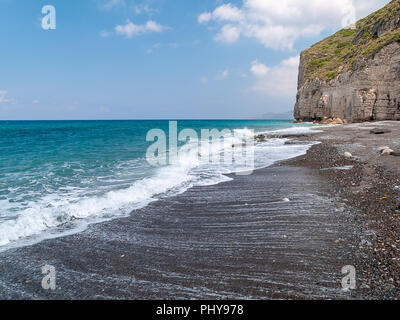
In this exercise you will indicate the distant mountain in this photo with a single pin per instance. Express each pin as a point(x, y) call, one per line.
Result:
point(288, 115)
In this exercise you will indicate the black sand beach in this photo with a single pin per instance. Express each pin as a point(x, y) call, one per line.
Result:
point(236, 240)
point(371, 187)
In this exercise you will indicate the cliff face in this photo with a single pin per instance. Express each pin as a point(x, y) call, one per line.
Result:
point(355, 74)
point(371, 93)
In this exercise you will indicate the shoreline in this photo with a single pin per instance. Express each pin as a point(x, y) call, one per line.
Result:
point(118, 184)
point(237, 239)
point(20, 236)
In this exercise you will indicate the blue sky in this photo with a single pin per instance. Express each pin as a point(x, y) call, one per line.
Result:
point(159, 59)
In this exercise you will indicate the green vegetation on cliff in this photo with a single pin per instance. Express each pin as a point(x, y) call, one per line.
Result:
point(348, 49)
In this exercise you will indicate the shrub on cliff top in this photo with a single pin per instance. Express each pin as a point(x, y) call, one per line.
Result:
point(349, 48)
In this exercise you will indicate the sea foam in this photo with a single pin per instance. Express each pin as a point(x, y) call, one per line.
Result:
point(58, 213)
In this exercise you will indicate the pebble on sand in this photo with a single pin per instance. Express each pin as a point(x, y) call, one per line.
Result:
point(348, 155)
point(386, 151)
point(379, 131)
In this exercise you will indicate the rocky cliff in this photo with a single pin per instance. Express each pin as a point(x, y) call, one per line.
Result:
point(354, 74)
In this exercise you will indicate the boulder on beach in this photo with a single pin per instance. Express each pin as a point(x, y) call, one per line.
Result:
point(382, 148)
point(384, 151)
point(260, 138)
point(387, 151)
point(326, 120)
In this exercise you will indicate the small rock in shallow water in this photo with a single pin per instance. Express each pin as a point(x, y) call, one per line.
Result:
point(260, 138)
point(383, 148)
point(387, 152)
point(286, 200)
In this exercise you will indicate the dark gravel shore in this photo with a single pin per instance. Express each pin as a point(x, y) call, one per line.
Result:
point(236, 240)
point(369, 184)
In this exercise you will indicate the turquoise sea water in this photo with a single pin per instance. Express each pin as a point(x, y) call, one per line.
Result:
point(58, 176)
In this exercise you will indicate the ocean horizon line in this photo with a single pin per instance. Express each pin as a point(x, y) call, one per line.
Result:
point(167, 119)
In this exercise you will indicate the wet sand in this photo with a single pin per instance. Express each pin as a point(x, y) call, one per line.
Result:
point(235, 240)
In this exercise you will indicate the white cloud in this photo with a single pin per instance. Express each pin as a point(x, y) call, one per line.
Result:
point(280, 80)
point(278, 24)
point(228, 34)
point(111, 4)
point(224, 74)
point(130, 6)
point(130, 29)
point(35, 101)
point(143, 8)
point(227, 12)
point(204, 17)
point(258, 69)
point(3, 97)
point(153, 47)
